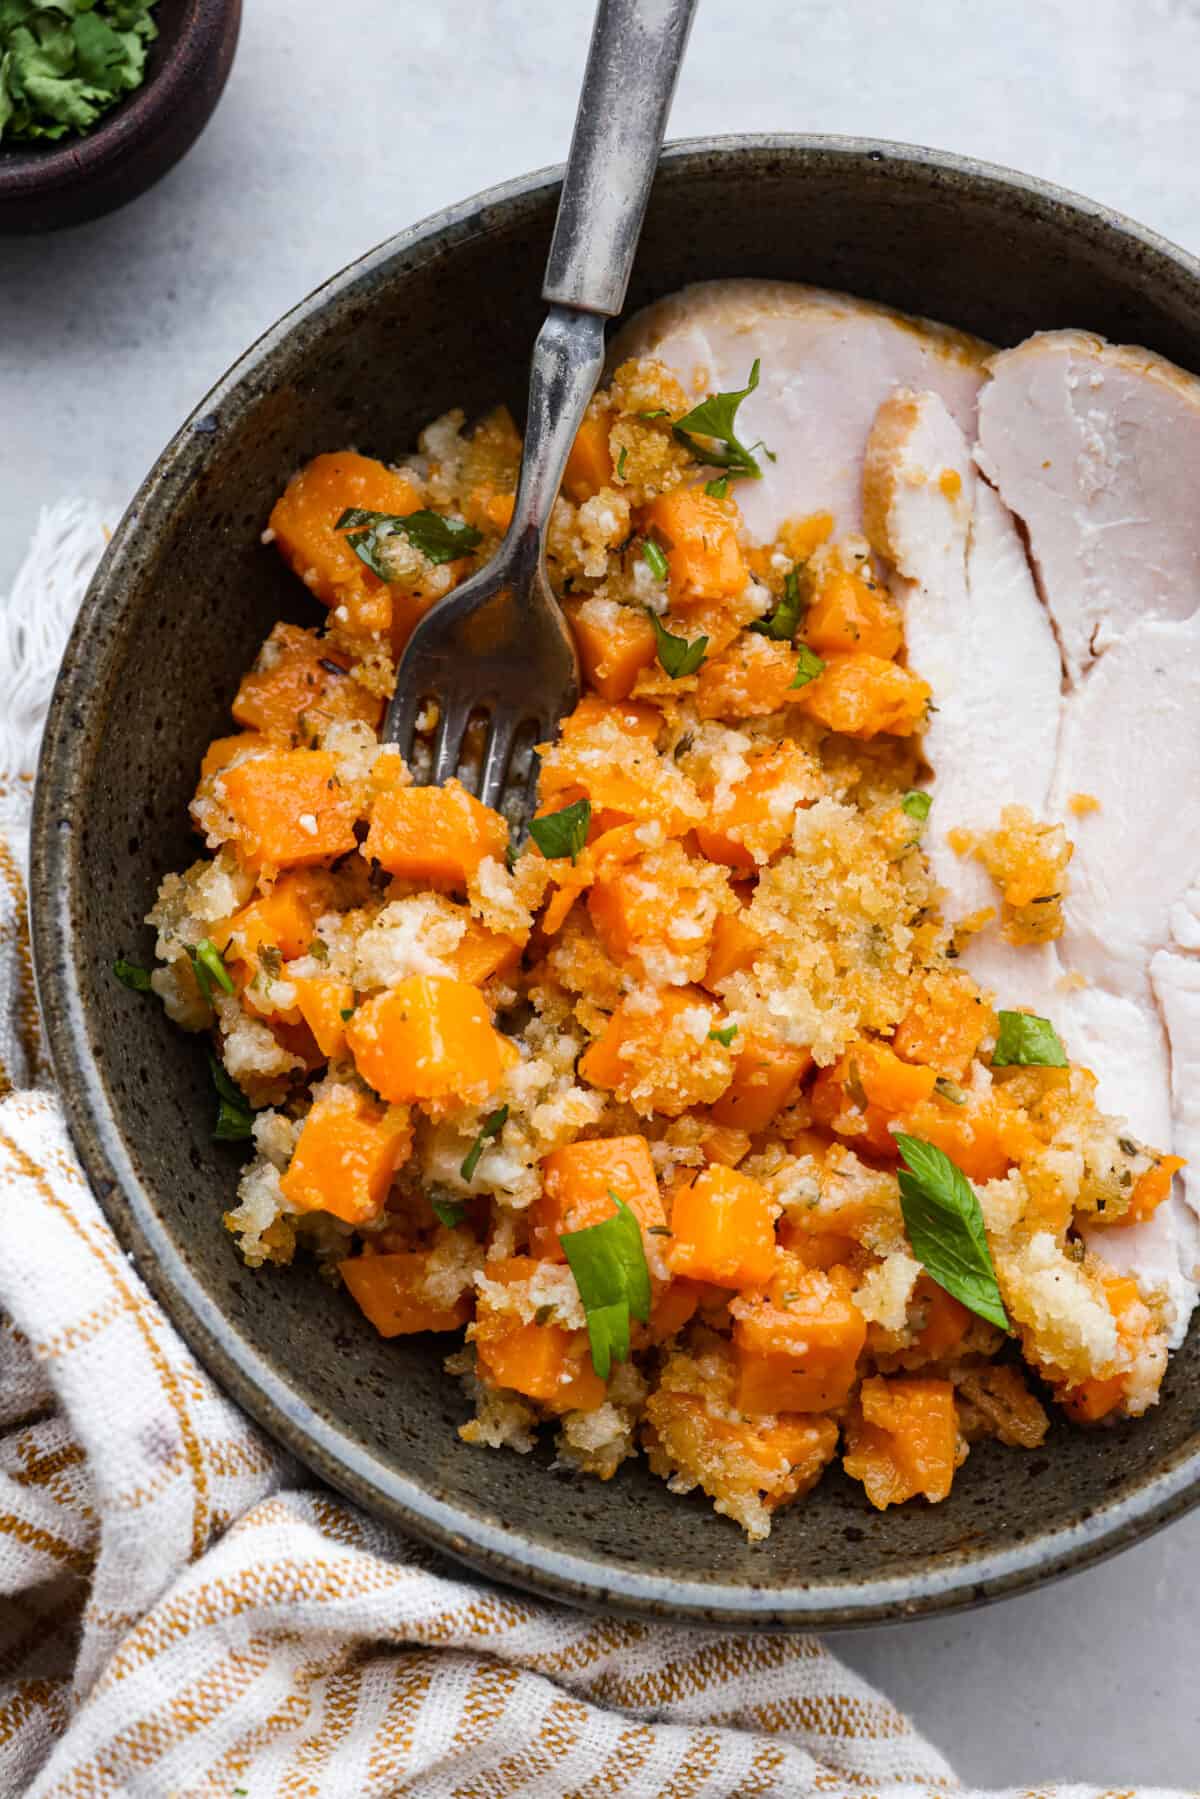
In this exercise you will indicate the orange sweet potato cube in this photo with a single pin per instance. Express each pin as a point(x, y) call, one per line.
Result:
point(723, 1230)
point(345, 1157)
point(285, 918)
point(222, 750)
point(638, 717)
point(699, 534)
point(902, 1439)
point(851, 612)
point(863, 696)
point(751, 679)
point(289, 807)
point(305, 515)
point(429, 1039)
point(613, 649)
point(325, 1003)
point(547, 1362)
point(298, 686)
point(438, 835)
point(578, 1183)
point(734, 947)
point(765, 1074)
point(798, 1345)
point(389, 1290)
point(589, 465)
point(755, 822)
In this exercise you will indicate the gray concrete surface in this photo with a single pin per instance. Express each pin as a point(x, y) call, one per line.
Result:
point(343, 123)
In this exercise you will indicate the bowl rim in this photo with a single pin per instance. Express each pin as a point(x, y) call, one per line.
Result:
point(963, 1579)
point(29, 170)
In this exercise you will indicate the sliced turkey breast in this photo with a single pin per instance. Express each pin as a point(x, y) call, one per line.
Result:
point(977, 632)
point(827, 361)
point(1095, 447)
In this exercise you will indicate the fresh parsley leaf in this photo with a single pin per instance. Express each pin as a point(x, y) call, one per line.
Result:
point(562, 833)
point(438, 539)
point(659, 412)
point(609, 1264)
point(781, 623)
point(655, 558)
point(808, 666)
point(917, 804)
point(678, 655)
point(717, 490)
point(209, 968)
point(715, 418)
point(132, 975)
point(64, 64)
point(491, 1127)
point(622, 459)
point(346, 1011)
point(725, 1035)
point(1025, 1041)
point(235, 1118)
point(944, 1222)
point(450, 1212)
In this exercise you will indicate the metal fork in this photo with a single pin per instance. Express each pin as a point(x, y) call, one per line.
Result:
point(499, 644)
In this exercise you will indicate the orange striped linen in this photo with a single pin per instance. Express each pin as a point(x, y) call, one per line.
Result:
point(185, 1615)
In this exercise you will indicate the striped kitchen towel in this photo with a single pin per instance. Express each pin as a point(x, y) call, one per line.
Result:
point(183, 1611)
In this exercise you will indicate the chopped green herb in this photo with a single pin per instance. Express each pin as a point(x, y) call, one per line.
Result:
point(209, 968)
point(944, 1222)
point(449, 1212)
point(319, 949)
point(235, 1119)
point(678, 655)
point(1025, 1041)
point(347, 1011)
point(659, 1230)
point(491, 1127)
point(781, 623)
point(64, 64)
point(949, 1091)
point(609, 1265)
point(659, 412)
point(438, 539)
point(917, 804)
point(808, 666)
point(717, 490)
point(562, 833)
point(543, 1315)
point(714, 419)
point(510, 856)
point(132, 975)
point(270, 960)
point(655, 558)
point(622, 459)
point(726, 1035)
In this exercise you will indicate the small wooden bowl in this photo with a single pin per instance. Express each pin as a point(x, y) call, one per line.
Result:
point(80, 177)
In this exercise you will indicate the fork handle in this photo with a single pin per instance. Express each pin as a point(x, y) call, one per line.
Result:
point(633, 64)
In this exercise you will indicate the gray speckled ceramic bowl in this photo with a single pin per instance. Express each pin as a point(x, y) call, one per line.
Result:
point(445, 315)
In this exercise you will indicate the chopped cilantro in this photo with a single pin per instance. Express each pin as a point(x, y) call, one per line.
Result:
point(655, 558)
point(208, 965)
point(491, 1127)
point(917, 804)
point(808, 666)
point(438, 539)
point(714, 420)
point(132, 975)
point(235, 1119)
point(609, 1265)
point(725, 1035)
point(679, 656)
point(64, 64)
point(1026, 1041)
point(562, 833)
point(449, 1212)
point(781, 623)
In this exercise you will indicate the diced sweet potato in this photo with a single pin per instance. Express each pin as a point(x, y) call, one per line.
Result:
point(734, 947)
point(755, 821)
point(699, 533)
point(324, 1001)
point(297, 687)
point(850, 612)
point(798, 1344)
point(984, 1137)
point(345, 1157)
point(814, 1248)
point(613, 648)
point(305, 514)
point(864, 696)
point(285, 918)
point(429, 1039)
point(657, 911)
point(1152, 1188)
point(765, 1074)
point(751, 679)
point(902, 1439)
point(546, 1362)
point(438, 835)
point(945, 1024)
point(638, 717)
point(578, 1183)
point(661, 1060)
point(868, 1091)
point(724, 1143)
point(723, 1229)
point(1094, 1399)
point(222, 750)
point(390, 1290)
point(290, 808)
point(674, 1307)
point(480, 953)
point(946, 1320)
point(801, 536)
point(589, 465)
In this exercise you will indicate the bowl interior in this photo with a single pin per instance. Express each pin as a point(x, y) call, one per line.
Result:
point(445, 318)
